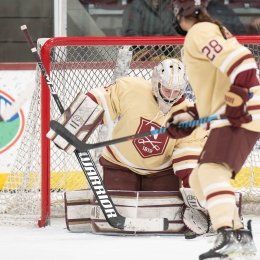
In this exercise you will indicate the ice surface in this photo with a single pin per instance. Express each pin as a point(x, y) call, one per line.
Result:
point(55, 242)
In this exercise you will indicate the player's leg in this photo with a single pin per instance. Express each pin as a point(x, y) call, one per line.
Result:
point(220, 195)
point(217, 166)
point(195, 215)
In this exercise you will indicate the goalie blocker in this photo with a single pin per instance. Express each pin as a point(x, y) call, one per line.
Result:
point(81, 118)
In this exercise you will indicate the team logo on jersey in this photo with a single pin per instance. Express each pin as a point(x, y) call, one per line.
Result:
point(150, 145)
point(11, 130)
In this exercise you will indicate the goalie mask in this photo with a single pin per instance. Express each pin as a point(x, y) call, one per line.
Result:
point(169, 83)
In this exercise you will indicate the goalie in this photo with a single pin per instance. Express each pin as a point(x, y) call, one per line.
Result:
point(157, 165)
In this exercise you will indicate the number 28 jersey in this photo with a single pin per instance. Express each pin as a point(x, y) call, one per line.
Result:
point(212, 64)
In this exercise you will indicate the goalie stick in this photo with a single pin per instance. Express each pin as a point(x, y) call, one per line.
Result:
point(92, 174)
point(83, 147)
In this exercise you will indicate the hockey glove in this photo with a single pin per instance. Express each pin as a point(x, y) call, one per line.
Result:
point(172, 128)
point(236, 110)
point(81, 118)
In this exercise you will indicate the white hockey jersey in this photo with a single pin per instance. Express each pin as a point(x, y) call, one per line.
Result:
point(212, 64)
point(131, 103)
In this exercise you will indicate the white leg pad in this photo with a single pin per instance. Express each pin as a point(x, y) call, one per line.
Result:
point(135, 205)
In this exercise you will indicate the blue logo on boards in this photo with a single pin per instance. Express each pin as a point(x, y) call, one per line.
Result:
point(11, 130)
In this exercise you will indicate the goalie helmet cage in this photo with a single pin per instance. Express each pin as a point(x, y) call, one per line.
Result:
point(41, 173)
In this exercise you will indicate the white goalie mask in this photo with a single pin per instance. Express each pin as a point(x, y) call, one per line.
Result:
point(169, 83)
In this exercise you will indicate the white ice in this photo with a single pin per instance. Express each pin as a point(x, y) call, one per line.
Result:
point(55, 242)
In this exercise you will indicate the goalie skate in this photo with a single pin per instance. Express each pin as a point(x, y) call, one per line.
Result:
point(245, 238)
point(226, 246)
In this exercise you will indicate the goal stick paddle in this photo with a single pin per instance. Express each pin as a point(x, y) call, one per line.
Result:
point(93, 176)
point(83, 147)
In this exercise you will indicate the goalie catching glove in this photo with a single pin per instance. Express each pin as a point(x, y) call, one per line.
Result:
point(81, 118)
point(236, 110)
point(172, 124)
point(195, 216)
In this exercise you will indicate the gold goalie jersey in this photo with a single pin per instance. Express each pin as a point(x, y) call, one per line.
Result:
point(212, 64)
point(131, 103)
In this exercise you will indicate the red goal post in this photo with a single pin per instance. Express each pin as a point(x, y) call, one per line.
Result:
point(77, 64)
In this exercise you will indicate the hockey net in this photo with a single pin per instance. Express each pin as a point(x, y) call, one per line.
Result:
point(41, 173)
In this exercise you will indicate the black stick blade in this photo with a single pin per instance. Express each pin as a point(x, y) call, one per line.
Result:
point(68, 136)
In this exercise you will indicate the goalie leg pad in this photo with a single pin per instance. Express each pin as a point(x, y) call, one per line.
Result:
point(143, 204)
point(85, 215)
point(81, 118)
point(78, 206)
point(82, 214)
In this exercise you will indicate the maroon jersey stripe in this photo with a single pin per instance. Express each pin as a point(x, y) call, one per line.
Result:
point(238, 62)
point(215, 194)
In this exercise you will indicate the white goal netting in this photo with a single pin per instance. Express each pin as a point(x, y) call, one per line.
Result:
point(34, 189)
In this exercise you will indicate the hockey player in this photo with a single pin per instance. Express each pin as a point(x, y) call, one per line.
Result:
point(223, 76)
point(152, 163)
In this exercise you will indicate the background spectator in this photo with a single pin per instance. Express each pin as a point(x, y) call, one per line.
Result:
point(254, 27)
point(226, 16)
point(148, 17)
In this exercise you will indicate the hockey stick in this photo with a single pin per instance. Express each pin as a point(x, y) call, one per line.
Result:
point(92, 174)
point(10, 111)
point(83, 147)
